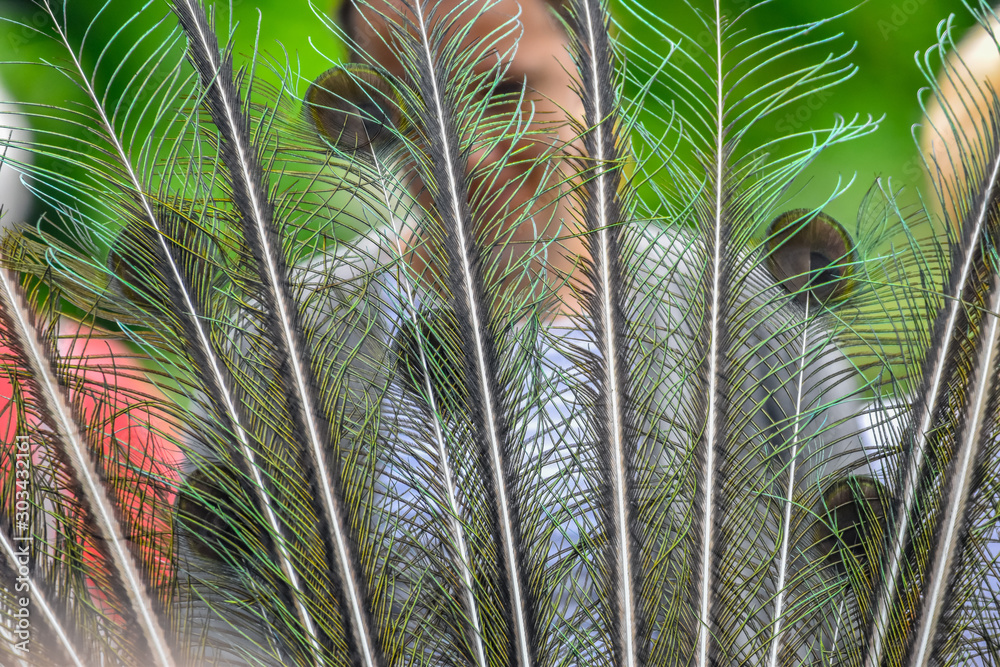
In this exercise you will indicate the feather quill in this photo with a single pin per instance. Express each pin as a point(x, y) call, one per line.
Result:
point(341, 97)
point(40, 599)
point(467, 286)
point(103, 511)
point(945, 369)
point(430, 54)
point(604, 215)
point(256, 212)
point(975, 432)
point(202, 350)
point(716, 226)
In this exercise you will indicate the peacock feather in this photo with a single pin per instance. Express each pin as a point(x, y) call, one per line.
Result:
point(363, 420)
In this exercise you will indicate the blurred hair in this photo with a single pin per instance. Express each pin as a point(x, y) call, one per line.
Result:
point(344, 12)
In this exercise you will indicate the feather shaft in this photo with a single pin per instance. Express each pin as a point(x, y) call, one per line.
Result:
point(966, 459)
point(102, 508)
point(256, 212)
point(220, 394)
point(789, 500)
point(190, 313)
point(453, 511)
point(930, 405)
point(604, 217)
point(712, 442)
point(467, 288)
point(426, 474)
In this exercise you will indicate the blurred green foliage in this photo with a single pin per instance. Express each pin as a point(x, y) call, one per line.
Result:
point(884, 37)
point(291, 37)
point(114, 39)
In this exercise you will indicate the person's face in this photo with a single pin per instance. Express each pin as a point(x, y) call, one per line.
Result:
point(534, 58)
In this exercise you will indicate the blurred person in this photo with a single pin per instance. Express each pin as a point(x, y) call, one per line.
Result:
point(525, 214)
point(966, 83)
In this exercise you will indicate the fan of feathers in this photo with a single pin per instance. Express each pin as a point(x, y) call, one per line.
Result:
point(325, 402)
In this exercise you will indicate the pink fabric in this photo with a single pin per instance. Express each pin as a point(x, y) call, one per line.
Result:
point(119, 403)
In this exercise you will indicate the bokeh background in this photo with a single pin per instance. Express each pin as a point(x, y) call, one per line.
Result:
point(291, 38)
